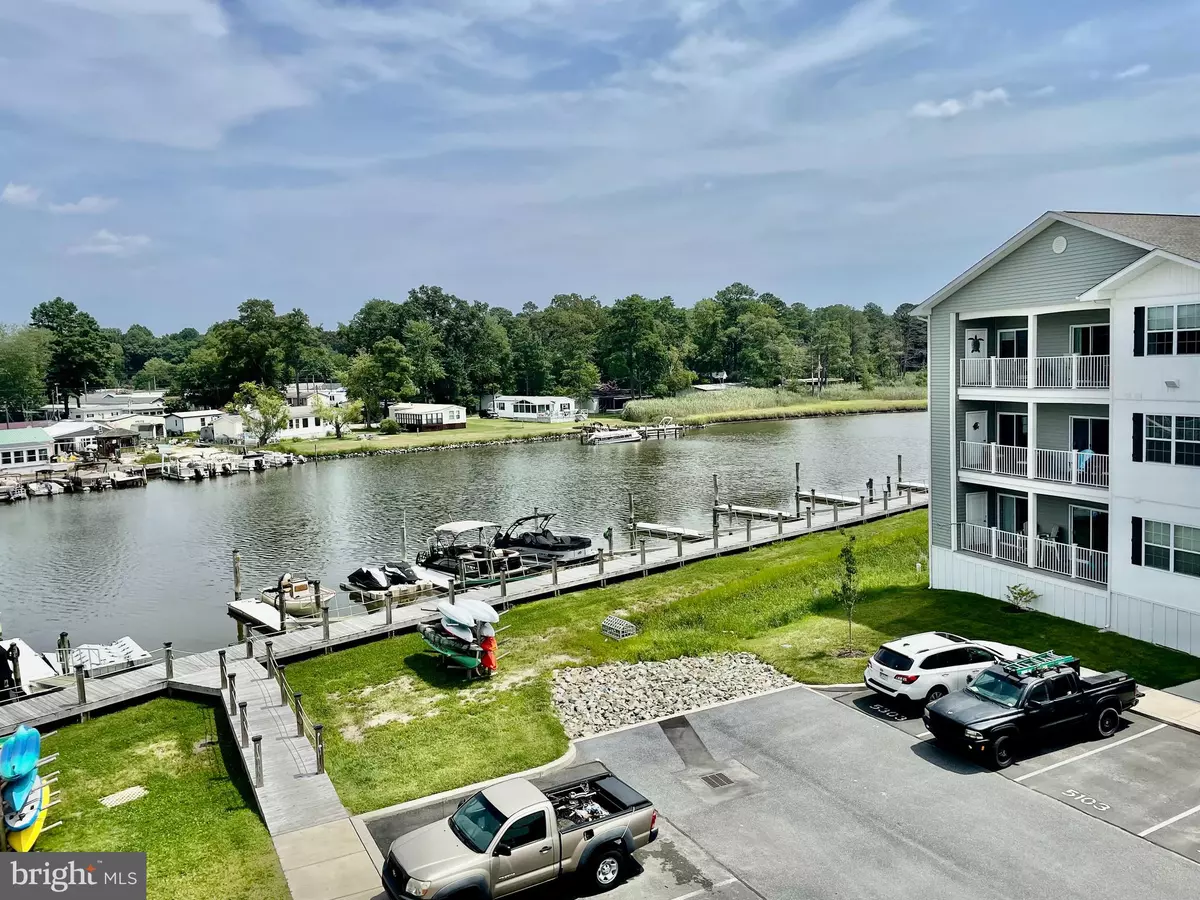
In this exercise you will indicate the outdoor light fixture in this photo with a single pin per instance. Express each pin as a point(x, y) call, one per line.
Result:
point(1172, 383)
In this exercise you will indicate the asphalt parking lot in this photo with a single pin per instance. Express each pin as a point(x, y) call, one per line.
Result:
point(1145, 779)
point(824, 801)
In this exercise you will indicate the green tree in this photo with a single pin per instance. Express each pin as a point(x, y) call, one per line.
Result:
point(138, 346)
point(349, 413)
point(157, 375)
point(848, 591)
point(24, 360)
point(632, 346)
point(708, 337)
point(364, 381)
point(423, 345)
point(395, 370)
point(530, 357)
point(263, 410)
point(79, 352)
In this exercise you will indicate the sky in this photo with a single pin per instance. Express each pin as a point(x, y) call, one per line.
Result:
point(163, 160)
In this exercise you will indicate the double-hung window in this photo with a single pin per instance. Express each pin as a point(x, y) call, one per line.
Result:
point(1158, 439)
point(1188, 326)
point(1172, 548)
point(1187, 440)
point(1173, 329)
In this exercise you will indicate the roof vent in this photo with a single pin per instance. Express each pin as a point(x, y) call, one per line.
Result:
point(1059, 244)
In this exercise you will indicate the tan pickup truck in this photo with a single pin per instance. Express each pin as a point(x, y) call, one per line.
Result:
point(513, 836)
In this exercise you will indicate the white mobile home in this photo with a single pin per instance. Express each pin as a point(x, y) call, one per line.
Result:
point(190, 420)
point(532, 409)
point(429, 416)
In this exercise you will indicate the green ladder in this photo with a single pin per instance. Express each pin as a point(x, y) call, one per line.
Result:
point(1030, 665)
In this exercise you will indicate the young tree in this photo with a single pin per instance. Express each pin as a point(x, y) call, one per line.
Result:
point(847, 592)
point(263, 410)
point(349, 413)
point(79, 352)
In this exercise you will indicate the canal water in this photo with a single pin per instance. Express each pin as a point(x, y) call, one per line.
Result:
point(156, 563)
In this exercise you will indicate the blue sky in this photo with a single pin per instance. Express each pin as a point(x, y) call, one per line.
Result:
point(165, 159)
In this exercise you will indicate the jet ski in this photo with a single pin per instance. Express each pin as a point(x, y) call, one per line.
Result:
point(382, 576)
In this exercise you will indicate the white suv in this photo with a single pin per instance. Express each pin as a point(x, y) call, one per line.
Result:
point(926, 666)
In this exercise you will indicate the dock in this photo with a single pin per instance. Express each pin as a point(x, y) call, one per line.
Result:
point(668, 532)
point(754, 512)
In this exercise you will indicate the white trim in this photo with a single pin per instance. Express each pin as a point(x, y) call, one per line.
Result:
point(1045, 309)
point(1136, 269)
point(952, 399)
point(1035, 395)
point(1087, 493)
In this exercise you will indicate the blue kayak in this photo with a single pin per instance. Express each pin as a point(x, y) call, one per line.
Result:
point(27, 814)
point(19, 754)
point(16, 792)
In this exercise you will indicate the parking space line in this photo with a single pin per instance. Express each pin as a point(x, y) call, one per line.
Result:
point(1170, 821)
point(1093, 752)
point(699, 891)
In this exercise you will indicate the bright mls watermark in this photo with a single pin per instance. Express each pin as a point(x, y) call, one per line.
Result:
point(86, 876)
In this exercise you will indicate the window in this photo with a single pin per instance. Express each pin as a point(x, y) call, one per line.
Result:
point(523, 406)
point(1187, 550)
point(937, 661)
point(306, 421)
point(317, 422)
point(1189, 328)
point(526, 830)
point(1014, 343)
point(43, 455)
point(1187, 440)
point(500, 406)
point(1158, 439)
point(1160, 330)
point(1157, 545)
point(6, 458)
point(1089, 340)
point(1038, 694)
point(979, 655)
point(1060, 687)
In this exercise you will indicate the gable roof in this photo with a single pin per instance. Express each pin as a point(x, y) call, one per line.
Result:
point(1173, 234)
point(12, 436)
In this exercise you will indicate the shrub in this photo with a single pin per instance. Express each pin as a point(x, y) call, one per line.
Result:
point(389, 426)
point(1022, 596)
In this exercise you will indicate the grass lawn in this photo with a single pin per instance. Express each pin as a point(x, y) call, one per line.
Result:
point(198, 825)
point(398, 727)
point(749, 404)
point(477, 430)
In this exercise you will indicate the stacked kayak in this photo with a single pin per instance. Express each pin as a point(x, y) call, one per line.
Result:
point(465, 635)
point(25, 797)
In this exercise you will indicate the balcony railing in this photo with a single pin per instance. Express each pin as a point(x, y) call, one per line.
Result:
point(1060, 466)
point(1073, 467)
point(1068, 560)
point(1063, 372)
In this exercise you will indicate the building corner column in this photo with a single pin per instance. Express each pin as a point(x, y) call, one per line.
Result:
point(1032, 529)
point(1031, 375)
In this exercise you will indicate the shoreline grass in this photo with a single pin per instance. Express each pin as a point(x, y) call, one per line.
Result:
point(198, 824)
point(748, 404)
point(398, 727)
point(825, 409)
point(478, 431)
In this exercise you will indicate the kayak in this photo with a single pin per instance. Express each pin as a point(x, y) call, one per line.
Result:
point(456, 613)
point(24, 816)
point(23, 841)
point(16, 792)
point(483, 612)
point(19, 754)
point(449, 647)
point(462, 632)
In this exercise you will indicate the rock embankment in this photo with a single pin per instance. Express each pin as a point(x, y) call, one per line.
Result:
point(596, 699)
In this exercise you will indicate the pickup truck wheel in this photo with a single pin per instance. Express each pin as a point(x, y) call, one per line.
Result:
point(1108, 720)
point(605, 868)
point(1003, 751)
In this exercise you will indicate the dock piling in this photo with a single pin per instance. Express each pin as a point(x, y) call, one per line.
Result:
point(812, 496)
point(779, 524)
point(387, 615)
point(282, 608)
point(233, 693)
point(243, 724)
point(504, 582)
point(871, 490)
point(325, 617)
point(632, 523)
point(862, 506)
point(808, 518)
point(169, 660)
point(237, 575)
point(258, 767)
point(404, 535)
point(241, 630)
point(835, 513)
point(299, 714)
point(908, 496)
point(642, 554)
point(450, 592)
point(888, 487)
point(270, 658)
point(749, 523)
point(64, 651)
point(319, 732)
point(224, 676)
point(797, 490)
point(80, 686)
point(885, 500)
point(679, 546)
point(716, 534)
point(716, 492)
point(249, 647)
point(554, 572)
point(600, 570)
point(899, 467)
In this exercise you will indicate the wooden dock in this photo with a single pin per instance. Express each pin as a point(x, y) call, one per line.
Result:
point(753, 512)
point(669, 532)
point(293, 796)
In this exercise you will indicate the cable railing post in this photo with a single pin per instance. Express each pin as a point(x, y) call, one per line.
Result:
point(244, 725)
point(270, 657)
point(319, 735)
point(808, 518)
point(642, 555)
point(233, 693)
point(749, 524)
point(80, 687)
point(299, 715)
point(169, 660)
point(679, 546)
point(249, 646)
point(224, 676)
point(283, 685)
point(325, 618)
point(258, 766)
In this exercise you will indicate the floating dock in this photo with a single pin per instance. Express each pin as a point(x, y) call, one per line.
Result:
point(263, 616)
point(669, 532)
point(754, 512)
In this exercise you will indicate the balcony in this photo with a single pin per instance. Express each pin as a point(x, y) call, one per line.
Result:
point(1067, 560)
point(1054, 372)
point(1080, 467)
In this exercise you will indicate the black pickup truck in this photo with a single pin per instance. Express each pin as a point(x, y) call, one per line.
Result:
point(1012, 704)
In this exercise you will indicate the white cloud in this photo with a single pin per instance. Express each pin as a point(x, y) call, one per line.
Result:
point(1132, 72)
point(89, 205)
point(949, 108)
point(20, 195)
point(109, 243)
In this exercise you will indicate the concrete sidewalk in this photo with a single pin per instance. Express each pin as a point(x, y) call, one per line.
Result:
point(328, 862)
point(1169, 706)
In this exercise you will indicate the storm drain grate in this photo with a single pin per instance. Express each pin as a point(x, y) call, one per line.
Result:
point(717, 780)
point(122, 797)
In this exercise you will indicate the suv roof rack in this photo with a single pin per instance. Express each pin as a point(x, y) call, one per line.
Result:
point(1039, 662)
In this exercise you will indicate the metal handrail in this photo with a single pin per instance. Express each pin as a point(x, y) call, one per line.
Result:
point(308, 727)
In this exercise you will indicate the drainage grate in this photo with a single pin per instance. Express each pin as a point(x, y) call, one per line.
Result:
point(717, 780)
point(122, 797)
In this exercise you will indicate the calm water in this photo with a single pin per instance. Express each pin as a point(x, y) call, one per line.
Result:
point(156, 563)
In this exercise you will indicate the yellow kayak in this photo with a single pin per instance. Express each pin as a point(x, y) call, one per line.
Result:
point(23, 841)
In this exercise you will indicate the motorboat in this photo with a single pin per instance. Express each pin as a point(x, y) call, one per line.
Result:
point(532, 535)
point(603, 434)
point(467, 550)
point(299, 595)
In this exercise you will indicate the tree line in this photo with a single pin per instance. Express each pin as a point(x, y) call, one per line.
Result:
point(435, 346)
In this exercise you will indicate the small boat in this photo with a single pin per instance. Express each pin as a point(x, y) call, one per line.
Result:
point(18, 818)
point(19, 754)
point(452, 646)
point(456, 614)
point(299, 598)
point(532, 535)
point(467, 551)
point(462, 632)
point(603, 434)
point(22, 841)
point(16, 792)
point(482, 613)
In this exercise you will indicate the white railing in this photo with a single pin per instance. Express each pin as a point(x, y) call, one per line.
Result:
point(1072, 561)
point(993, 542)
point(1072, 372)
point(975, 456)
point(1072, 467)
point(1069, 372)
point(1012, 373)
point(1012, 547)
point(976, 538)
point(975, 372)
point(1012, 460)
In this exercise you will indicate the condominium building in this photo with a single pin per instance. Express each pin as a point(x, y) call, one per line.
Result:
point(1064, 401)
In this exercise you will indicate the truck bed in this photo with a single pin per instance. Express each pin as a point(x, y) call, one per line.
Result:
point(591, 799)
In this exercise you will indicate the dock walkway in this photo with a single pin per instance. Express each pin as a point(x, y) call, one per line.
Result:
point(293, 796)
